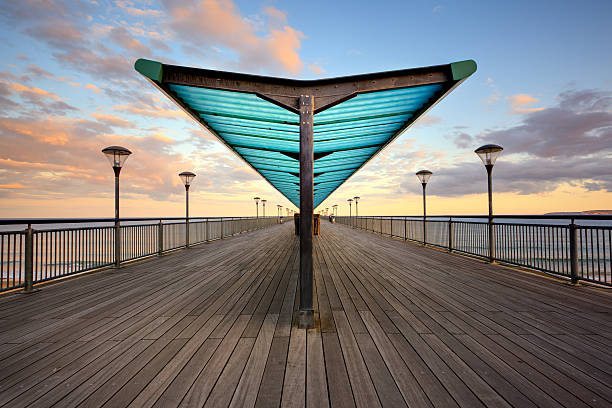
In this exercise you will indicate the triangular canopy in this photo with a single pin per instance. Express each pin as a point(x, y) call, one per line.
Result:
point(257, 117)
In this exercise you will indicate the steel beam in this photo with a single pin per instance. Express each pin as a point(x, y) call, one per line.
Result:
point(306, 312)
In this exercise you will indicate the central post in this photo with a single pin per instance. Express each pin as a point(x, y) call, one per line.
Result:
point(306, 312)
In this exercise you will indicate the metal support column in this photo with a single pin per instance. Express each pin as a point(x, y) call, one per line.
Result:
point(306, 312)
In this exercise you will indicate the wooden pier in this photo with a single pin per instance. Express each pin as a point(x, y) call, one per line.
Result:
point(396, 324)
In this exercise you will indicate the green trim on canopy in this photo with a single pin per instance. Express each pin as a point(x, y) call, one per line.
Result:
point(355, 117)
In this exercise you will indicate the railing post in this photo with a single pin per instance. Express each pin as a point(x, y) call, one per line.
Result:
point(160, 238)
point(491, 241)
point(222, 228)
point(450, 234)
point(117, 244)
point(206, 230)
point(391, 222)
point(405, 229)
point(573, 235)
point(29, 259)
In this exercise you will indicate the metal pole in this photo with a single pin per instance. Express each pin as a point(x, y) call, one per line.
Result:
point(256, 210)
point(117, 170)
point(489, 168)
point(306, 312)
point(187, 216)
point(29, 259)
point(356, 209)
point(424, 215)
point(573, 236)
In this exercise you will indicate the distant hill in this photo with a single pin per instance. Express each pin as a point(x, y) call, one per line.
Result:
point(589, 212)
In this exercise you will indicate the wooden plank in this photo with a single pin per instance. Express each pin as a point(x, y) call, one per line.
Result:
point(364, 392)
point(316, 381)
point(271, 387)
point(294, 384)
point(221, 394)
point(248, 386)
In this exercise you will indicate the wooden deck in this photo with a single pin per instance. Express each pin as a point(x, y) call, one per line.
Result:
point(397, 325)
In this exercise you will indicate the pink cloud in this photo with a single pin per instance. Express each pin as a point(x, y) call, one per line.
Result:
point(520, 103)
point(219, 22)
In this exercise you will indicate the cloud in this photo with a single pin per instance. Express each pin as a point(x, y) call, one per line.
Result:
point(580, 125)
point(427, 120)
point(567, 143)
point(93, 88)
point(112, 120)
point(528, 176)
point(520, 103)
point(129, 8)
point(36, 98)
point(219, 23)
point(62, 156)
point(122, 37)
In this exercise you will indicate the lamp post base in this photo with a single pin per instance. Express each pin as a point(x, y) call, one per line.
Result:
point(306, 319)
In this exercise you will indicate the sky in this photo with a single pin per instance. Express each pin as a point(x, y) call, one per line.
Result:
point(68, 88)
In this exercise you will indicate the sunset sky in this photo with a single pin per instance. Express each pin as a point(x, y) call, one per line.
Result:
point(68, 88)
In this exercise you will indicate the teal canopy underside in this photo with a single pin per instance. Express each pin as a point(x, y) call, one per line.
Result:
point(345, 136)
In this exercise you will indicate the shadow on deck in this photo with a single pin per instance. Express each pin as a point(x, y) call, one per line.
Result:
point(396, 325)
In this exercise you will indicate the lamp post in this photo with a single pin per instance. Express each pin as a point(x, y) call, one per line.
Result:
point(117, 156)
point(263, 204)
point(187, 177)
point(350, 201)
point(489, 154)
point(424, 176)
point(256, 206)
point(356, 208)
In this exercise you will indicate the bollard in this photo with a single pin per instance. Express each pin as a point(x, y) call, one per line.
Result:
point(573, 235)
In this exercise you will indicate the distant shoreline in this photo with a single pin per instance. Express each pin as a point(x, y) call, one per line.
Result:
point(588, 212)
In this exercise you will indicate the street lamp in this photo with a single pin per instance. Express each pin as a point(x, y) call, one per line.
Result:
point(257, 206)
point(488, 154)
point(187, 177)
point(263, 203)
point(424, 176)
point(356, 209)
point(117, 156)
point(350, 201)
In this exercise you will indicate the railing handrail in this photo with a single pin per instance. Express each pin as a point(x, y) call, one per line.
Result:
point(514, 216)
point(40, 221)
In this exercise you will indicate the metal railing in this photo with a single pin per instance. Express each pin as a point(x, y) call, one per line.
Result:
point(577, 247)
point(60, 247)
